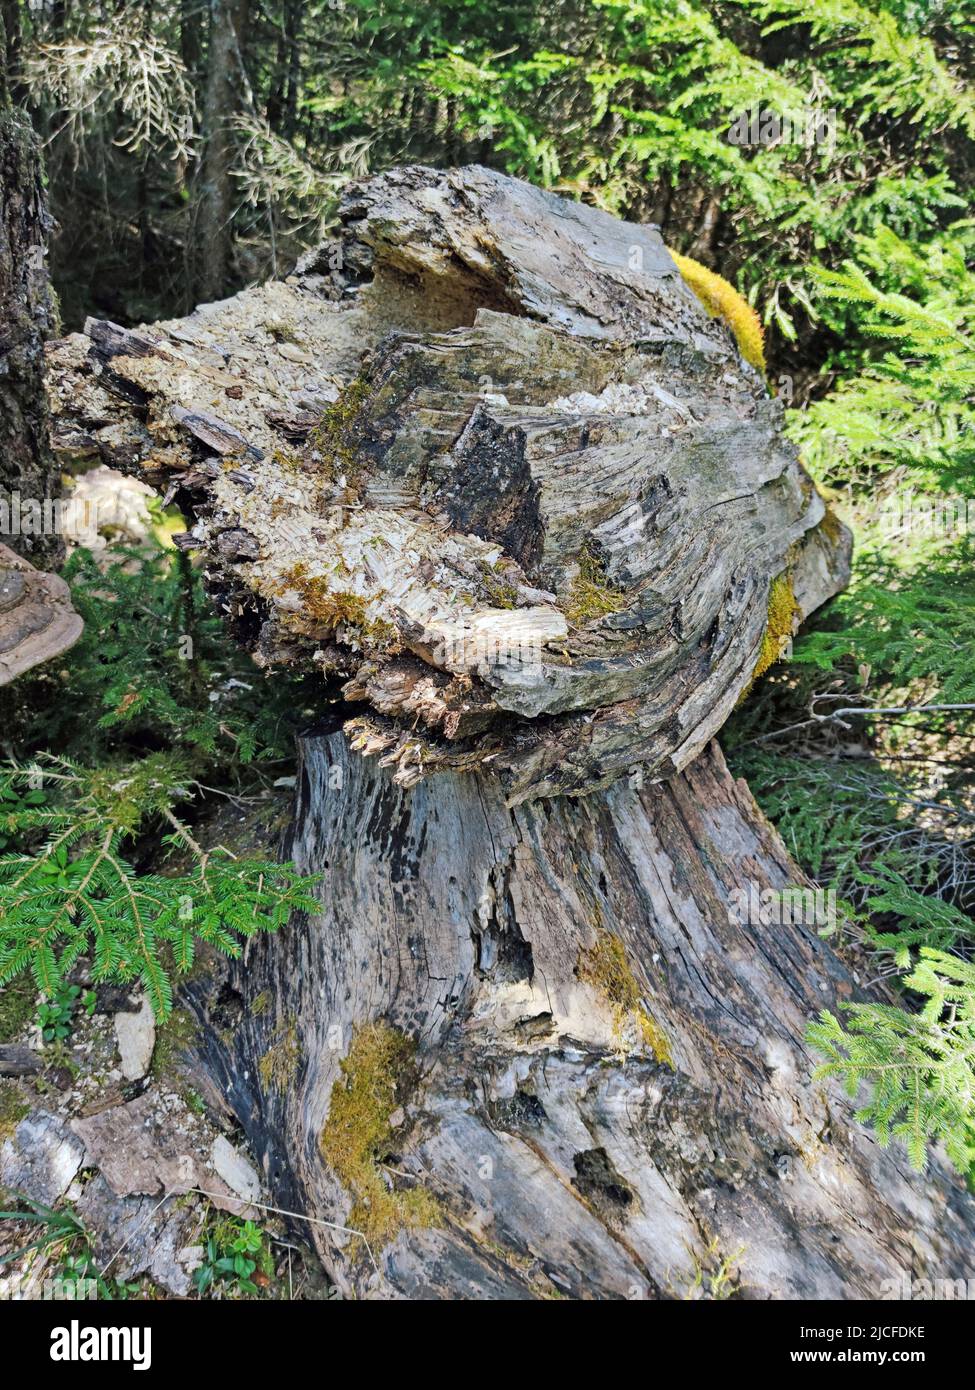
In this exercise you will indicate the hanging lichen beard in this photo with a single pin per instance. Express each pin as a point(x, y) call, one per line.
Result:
point(77, 1343)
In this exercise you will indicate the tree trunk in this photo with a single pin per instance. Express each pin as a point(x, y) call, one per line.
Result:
point(610, 1096)
point(189, 36)
point(37, 621)
point(29, 476)
point(282, 102)
point(487, 467)
point(222, 101)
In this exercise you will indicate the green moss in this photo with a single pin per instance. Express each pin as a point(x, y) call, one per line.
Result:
point(335, 437)
point(500, 591)
point(377, 1077)
point(291, 462)
point(282, 330)
point(782, 611)
point(591, 595)
point(330, 608)
point(18, 1002)
point(723, 301)
point(260, 1003)
point(13, 1108)
point(607, 969)
point(716, 1276)
point(279, 1065)
point(177, 1035)
point(831, 526)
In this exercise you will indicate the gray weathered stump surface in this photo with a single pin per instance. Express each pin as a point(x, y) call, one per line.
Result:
point(565, 1157)
point(528, 397)
point(485, 464)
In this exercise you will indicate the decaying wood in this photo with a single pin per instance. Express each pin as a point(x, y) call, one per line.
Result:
point(535, 529)
point(17, 1060)
point(564, 1156)
point(486, 465)
point(37, 621)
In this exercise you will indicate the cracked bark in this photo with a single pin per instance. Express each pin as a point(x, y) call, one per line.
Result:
point(37, 621)
point(402, 463)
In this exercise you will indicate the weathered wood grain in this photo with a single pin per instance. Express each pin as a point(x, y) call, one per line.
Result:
point(486, 465)
point(537, 521)
point(564, 1156)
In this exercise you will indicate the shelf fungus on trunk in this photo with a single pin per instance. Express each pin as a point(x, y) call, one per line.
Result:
point(486, 462)
point(37, 621)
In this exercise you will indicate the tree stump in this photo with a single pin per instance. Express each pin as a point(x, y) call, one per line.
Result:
point(486, 465)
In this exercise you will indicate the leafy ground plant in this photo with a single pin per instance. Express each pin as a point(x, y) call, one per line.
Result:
point(53, 1227)
point(237, 1258)
point(55, 1015)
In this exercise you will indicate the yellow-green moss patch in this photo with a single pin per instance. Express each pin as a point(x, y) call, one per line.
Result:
point(279, 1065)
point(831, 526)
point(377, 1077)
point(175, 1037)
point(723, 301)
point(334, 437)
point(18, 1001)
point(330, 608)
point(607, 969)
point(782, 612)
point(500, 591)
point(13, 1108)
point(591, 595)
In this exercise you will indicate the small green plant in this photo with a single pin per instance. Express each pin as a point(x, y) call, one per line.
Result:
point(54, 1227)
point(55, 1015)
point(154, 671)
point(12, 802)
point(79, 1270)
point(237, 1256)
point(77, 893)
point(918, 1068)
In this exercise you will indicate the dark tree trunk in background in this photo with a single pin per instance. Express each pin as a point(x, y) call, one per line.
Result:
point(10, 16)
point(27, 465)
point(282, 102)
point(37, 621)
point(189, 35)
point(224, 87)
